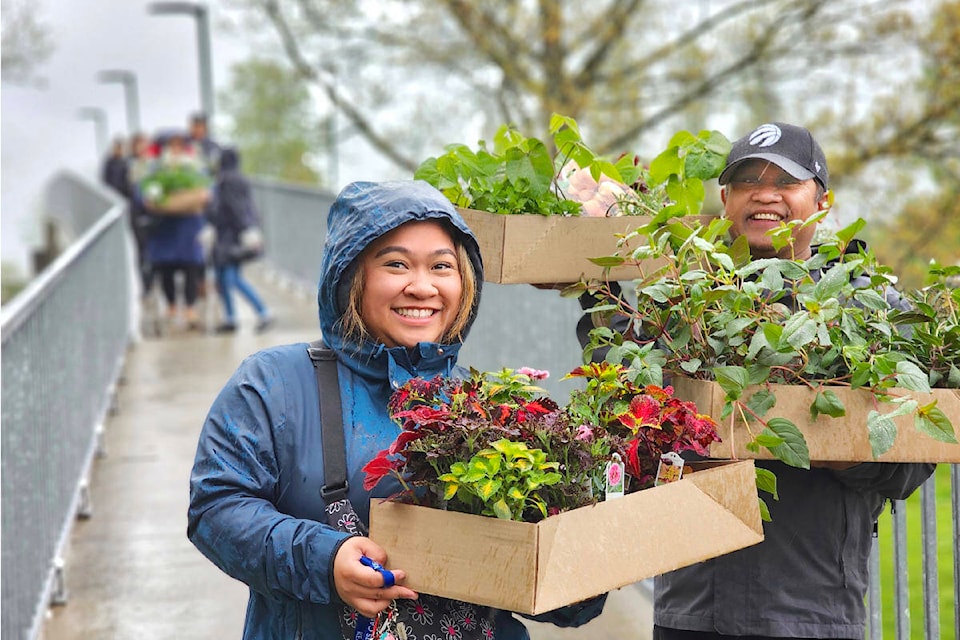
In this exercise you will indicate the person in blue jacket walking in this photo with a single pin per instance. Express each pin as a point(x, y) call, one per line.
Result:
point(400, 283)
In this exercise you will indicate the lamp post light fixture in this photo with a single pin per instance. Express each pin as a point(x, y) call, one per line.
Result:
point(132, 100)
point(99, 117)
point(199, 12)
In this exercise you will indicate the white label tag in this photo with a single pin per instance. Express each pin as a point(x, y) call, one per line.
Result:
point(670, 468)
point(614, 478)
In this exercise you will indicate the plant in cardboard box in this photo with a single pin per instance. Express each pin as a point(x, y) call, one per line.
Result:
point(494, 445)
point(518, 174)
point(713, 313)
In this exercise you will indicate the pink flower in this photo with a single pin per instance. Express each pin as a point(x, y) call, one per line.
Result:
point(584, 432)
point(533, 374)
point(614, 475)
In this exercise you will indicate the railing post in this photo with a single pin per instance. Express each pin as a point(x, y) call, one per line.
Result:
point(928, 524)
point(874, 602)
point(901, 583)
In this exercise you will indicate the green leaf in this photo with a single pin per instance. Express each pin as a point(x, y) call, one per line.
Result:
point(666, 164)
point(733, 380)
point(832, 282)
point(772, 279)
point(799, 330)
point(909, 376)
point(882, 432)
point(515, 494)
point(767, 481)
point(849, 232)
point(762, 401)
point(871, 299)
point(794, 449)
point(608, 261)
point(774, 334)
point(935, 423)
point(450, 490)
point(486, 489)
point(764, 511)
point(691, 365)
point(534, 168)
point(828, 403)
point(501, 510)
point(768, 439)
point(792, 270)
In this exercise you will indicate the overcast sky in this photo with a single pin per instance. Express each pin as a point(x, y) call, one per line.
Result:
point(41, 129)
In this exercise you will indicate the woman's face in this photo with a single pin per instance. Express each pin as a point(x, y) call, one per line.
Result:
point(412, 284)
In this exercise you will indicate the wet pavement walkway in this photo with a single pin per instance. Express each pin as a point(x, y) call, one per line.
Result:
point(130, 570)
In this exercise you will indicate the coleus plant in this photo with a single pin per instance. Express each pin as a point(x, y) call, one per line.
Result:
point(494, 445)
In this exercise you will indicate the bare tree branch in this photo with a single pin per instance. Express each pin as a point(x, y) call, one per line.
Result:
point(327, 81)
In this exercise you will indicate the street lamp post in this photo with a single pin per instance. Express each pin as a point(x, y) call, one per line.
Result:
point(99, 117)
point(200, 14)
point(132, 99)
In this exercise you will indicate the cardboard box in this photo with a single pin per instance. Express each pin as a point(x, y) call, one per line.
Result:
point(579, 554)
point(552, 249)
point(844, 439)
point(183, 202)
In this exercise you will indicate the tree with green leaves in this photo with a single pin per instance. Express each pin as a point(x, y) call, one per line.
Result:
point(926, 227)
point(272, 122)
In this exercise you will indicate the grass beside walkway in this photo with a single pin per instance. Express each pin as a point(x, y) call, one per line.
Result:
point(945, 554)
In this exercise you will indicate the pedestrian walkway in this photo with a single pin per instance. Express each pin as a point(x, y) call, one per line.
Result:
point(130, 570)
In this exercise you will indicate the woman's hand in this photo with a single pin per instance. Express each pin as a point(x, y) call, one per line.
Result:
point(362, 587)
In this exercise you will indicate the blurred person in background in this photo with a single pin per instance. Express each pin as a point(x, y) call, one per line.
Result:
point(115, 168)
point(173, 244)
point(237, 240)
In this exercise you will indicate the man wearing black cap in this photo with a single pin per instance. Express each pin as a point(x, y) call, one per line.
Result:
point(777, 174)
point(808, 578)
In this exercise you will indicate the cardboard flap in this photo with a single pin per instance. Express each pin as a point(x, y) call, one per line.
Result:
point(595, 549)
point(578, 554)
point(724, 486)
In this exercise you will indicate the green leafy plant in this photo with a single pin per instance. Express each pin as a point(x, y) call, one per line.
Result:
point(520, 175)
point(505, 478)
point(711, 312)
point(167, 179)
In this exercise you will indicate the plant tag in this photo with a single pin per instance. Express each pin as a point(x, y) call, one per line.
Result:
point(670, 468)
point(614, 478)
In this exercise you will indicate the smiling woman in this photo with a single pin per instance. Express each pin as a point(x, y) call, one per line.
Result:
point(399, 287)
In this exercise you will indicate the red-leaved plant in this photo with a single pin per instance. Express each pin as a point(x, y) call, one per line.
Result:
point(494, 444)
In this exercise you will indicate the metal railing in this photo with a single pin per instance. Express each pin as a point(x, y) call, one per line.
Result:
point(63, 338)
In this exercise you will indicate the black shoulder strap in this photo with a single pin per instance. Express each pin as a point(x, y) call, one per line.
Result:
point(335, 483)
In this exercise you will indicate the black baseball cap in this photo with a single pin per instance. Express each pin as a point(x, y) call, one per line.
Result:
point(788, 146)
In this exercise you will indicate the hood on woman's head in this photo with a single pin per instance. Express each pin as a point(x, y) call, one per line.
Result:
point(361, 213)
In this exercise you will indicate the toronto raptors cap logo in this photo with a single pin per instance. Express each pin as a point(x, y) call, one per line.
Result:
point(765, 135)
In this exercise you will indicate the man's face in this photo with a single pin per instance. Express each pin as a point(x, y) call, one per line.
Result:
point(198, 129)
point(759, 197)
